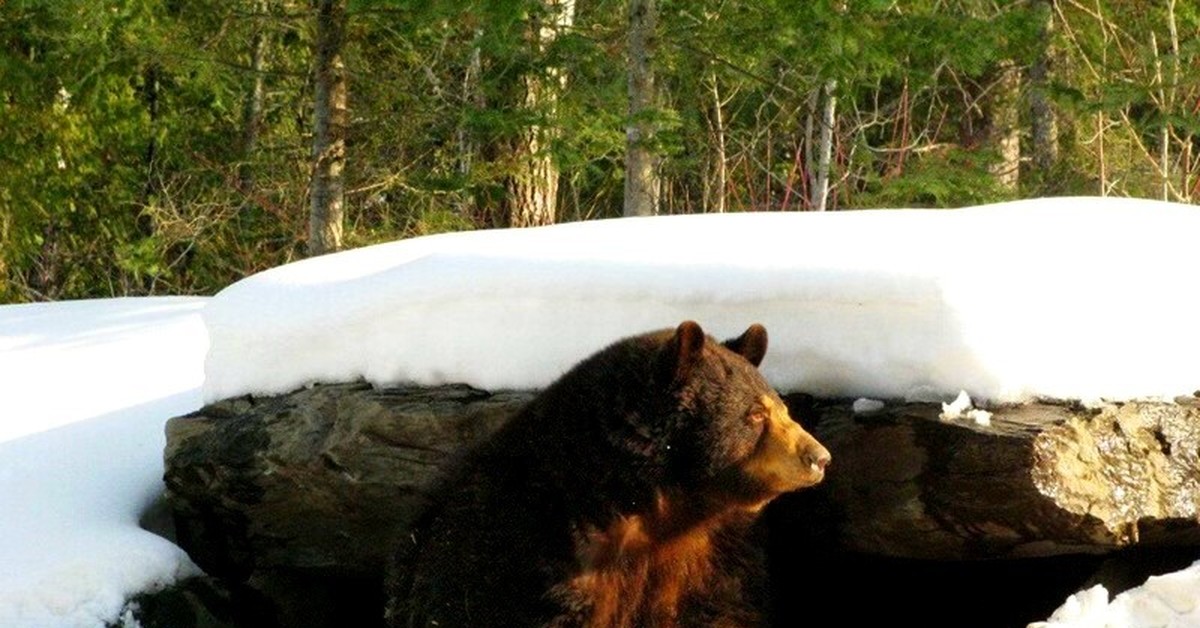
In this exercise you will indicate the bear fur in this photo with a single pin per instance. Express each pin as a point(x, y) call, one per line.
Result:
point(622, 495)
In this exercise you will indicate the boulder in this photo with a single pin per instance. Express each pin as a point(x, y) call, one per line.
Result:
point(1037, 479)
point(324, 478)
point(295, 502)
point(327, 478)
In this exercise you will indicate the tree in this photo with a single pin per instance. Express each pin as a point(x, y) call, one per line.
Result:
point(252, 111)
point(533, 186)
point(1043, 120)
point(717, 200)
point(820, 186)
point(641, 181)
point(327, 194)
point(172, 147)
point(1002, 124)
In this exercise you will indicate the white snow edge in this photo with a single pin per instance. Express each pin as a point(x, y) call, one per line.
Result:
point(1071, 298)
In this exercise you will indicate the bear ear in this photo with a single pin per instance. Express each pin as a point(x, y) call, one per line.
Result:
point(752, 344)
point(682, 350)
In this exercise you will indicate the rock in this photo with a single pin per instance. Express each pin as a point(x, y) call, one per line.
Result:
point(1038, 479)
point(326, 478)
point(322, 479)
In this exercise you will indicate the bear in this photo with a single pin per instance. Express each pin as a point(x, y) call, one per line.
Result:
point(624, 494)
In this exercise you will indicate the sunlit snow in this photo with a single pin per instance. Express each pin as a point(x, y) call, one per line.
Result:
point(87, 386)
point(1167, 601)
point(963, 408)
point(1069, 298)
point(1074, 298)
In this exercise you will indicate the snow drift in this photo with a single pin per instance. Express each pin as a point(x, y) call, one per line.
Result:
point(1069, 298)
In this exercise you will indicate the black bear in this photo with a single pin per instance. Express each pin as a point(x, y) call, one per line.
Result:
point(619, 496)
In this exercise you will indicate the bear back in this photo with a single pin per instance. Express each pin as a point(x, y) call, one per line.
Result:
point(622, 495)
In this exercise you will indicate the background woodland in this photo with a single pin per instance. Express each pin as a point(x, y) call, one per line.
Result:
point(175, 146)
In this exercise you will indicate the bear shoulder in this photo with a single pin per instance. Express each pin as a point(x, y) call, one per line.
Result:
point(620, 496)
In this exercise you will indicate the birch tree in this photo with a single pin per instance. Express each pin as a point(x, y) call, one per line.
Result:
point(252, 110)
point(533, 186)
point(820, 187)
point(641, 181)
point(327, 191)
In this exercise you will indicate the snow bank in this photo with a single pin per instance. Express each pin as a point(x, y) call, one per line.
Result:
point(1076, 298)
point(87, 388)
point(1168, 601)
point(1070, 298)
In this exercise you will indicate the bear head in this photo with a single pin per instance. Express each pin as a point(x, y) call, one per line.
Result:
point(732, 435)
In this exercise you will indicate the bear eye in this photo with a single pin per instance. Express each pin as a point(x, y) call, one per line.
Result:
point(757, 416)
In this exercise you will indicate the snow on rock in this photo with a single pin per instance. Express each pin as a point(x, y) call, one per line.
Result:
point(863, 405)
point(1167, 601)
point(963, 408)
point(1067, 298)
point(958, 408)
point(87, 388)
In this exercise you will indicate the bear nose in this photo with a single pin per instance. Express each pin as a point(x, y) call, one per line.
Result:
point(818, 458)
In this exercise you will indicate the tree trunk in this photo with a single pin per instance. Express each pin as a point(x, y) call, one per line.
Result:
point(533, 187)
point(1168, 98)
point(472, 98)
point(329, 131)
point(820, 189)
point(1043, 119)
point(1004, 131)
point(150, 97)
point(1101, 123)
point(253, 110)
point(641, 180)
point(720, 168)
point(1174, 29)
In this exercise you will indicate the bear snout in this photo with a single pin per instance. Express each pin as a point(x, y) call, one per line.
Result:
point(816, 457)
point(806, 459)
point(788, 458)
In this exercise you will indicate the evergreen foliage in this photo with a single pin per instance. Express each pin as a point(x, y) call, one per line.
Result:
point(132, 163)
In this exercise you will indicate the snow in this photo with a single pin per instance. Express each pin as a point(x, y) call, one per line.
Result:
point(1084, 609)
point(87, 386)
point(958, 408)
point(862, 405)
point(1068, 298)
point(1081, 298)
point(1167, 601)
point(963, 408)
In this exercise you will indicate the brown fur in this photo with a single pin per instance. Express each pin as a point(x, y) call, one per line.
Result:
point(640, 568)
point(621, 497)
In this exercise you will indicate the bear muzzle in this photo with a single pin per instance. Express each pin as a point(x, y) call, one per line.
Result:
point(811, 456)
point(816, 457)
point(788, 457)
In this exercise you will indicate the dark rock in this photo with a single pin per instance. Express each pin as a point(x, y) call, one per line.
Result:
point(327, 477)
point(296, 501)
point(324, 478)
point(1040, 480)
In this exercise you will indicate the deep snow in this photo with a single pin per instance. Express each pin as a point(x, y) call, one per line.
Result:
point(1083, 298)
point(1067, 298)
point(87, 386)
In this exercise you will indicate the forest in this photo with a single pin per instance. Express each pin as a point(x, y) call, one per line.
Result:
point(175, 146)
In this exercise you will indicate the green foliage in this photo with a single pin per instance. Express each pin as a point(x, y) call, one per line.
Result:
point(127, 170)
point(950, 179)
